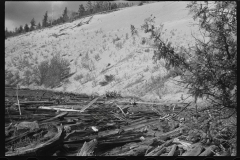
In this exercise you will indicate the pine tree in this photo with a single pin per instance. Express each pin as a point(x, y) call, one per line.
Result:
point(65, 16)
point(89, 7)
point(32, 24)
point(45, 19)
point(81, 10)
point(20, 29)
point(16, 31)
point(26, 28)
point(113, 6)
point(39, 25)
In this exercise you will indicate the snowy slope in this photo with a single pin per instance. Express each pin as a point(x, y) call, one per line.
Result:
point(130, 62)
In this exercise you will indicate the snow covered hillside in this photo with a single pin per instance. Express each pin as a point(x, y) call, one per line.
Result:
point(105, 46)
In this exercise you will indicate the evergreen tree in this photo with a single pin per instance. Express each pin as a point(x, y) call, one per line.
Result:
point(16, 31)
point(32, 24)
point(208, 69)
point(26, 28)
point(81, 10)
point(89, 7)
point(20, 29)
point(113, 6)
point(65, 16)
point(45, 20)
point(39, 25)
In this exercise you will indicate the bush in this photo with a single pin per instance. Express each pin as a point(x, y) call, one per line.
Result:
point(119, 45)
point(113, 94)
point(97, 57)
point(78, 77)
point(103, 83)
point(52, 72)
point(108, 79)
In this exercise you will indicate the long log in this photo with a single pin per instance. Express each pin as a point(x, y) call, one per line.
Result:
point(59, 116)
point(59, 109)
point(36, 102)
point(43, 148)
point(16, 138)
point(90, 104)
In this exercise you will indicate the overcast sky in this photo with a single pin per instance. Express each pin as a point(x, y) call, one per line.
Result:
point(21, 12)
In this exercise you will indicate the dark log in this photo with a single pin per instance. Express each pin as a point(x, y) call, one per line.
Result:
point(36, 102)
point(208, 151)
point(171, 153)
point(87, 148)
point(138, 151)
point(23, 135)
point(195, 151)
point(44, 148)
point(159, 150)
point(59, 116)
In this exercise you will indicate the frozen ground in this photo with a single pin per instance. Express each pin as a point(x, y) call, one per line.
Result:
point(130, 62)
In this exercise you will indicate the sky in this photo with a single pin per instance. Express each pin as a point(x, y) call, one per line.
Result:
point(22, 12)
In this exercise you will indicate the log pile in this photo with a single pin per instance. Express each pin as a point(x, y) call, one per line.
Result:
point(82, 126)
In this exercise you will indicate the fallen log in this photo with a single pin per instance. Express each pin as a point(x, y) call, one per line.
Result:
point(59, 116)
point(195, 151)
point(138, 151)
point(209, 151)
point(90, 104)
point(87, 148)
point(36, 102)
point(159, 150)
point(138, 126)
point(43, 148)
point(171, 153)
point(59, 109)
point(184, 145)
point(23, 135)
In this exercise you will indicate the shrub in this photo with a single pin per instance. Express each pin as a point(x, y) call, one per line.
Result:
point(97, 57)
point(143, 40)
point(113, 94)
point(103, 83)
point(119, 45)
point(133, 30)
point(27, 77)
point(53, 72)
point(126, 35)
point(140, 4)
point(109, 78)
point(78, 77)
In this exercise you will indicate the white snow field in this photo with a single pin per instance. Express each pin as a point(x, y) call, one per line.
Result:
point(130, 61)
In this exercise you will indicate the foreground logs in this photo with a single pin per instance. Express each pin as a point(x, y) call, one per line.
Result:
point(100, 127)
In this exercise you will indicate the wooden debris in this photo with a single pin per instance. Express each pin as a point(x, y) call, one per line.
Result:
point(102, 128)
point(90, 104)
point(171, 153)
point(209, 151)
point(87, 148)
point(195, 151)
point(159, 150)
point(40, 149)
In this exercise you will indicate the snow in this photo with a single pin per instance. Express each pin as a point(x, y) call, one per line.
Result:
point(128, 64)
